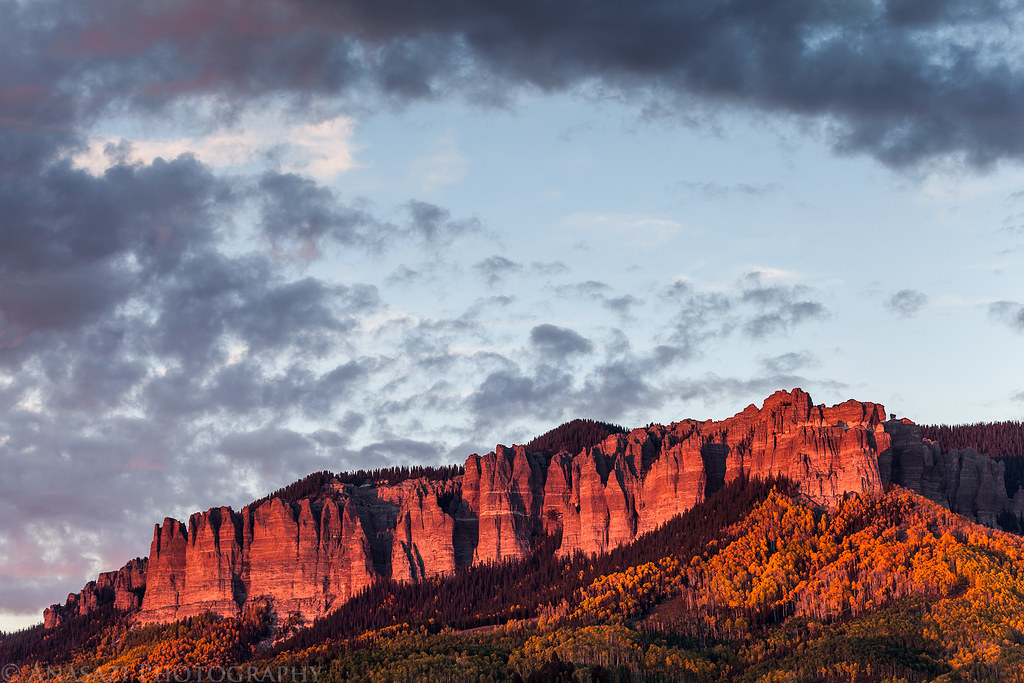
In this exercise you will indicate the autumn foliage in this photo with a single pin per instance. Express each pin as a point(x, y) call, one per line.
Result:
point(753, 584)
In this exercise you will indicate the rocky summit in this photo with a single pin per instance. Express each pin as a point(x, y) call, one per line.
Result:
point(313, 554)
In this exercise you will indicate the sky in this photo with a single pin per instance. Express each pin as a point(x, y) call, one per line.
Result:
point(246, 240)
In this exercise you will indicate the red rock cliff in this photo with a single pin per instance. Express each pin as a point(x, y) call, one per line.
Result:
point(123, 589)
point(312, 555)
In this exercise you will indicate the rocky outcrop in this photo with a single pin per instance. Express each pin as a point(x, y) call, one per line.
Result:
point(964, 481)
point(505, 491)
point(310, 556)
point(632, 483)
point(423, 541)
point(123, 589)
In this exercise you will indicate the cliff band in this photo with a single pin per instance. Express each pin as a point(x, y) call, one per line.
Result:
point(311, 555)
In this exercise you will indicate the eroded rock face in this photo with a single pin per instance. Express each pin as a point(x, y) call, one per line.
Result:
point(966, 482)
point(423, 542)
point(505, 491)
point(123, 588)
point(311, 556)
point(635, 482)
point(308, 556)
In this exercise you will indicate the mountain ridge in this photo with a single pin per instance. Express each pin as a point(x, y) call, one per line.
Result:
point(313, 554)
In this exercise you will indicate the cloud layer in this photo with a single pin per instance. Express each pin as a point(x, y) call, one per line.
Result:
point(902, 81)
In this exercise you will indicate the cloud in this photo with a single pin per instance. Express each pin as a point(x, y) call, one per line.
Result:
point(716, 191)
point(893, 80)
point(632, 229)
point(778, 308)
point(591, 289)
point(549, 268)
point(434, 226)
point(713, 389)
point(320, 149)
point(298, 212)
point(600, 292)
point(273, 453)
point(788, 363)
point(397, 452)
point(1008, 312)
point(509, 394)
point(559, 342)
point(906, 302)
point(619, 382)
point(495, 269)
point(215, 298)
point(622, 305)
point(752, 306)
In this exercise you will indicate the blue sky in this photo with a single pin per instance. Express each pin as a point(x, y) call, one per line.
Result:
point(246, 241)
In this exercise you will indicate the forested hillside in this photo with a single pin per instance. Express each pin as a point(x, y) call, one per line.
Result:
point(753, 584)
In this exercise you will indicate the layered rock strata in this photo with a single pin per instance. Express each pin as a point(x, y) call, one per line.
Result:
point(312, 555)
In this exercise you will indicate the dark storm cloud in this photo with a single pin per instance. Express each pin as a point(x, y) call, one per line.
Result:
point(90, 373)
point(888, 79)
point(906, 302)
point(76, 247)
point(1008, 312)
point(559, 342)
point(37, 302)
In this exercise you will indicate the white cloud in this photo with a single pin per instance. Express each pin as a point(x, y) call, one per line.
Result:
point(322, 150)
point(636, 229)
point(768, 273)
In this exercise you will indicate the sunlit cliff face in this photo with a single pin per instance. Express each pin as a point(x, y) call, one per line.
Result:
point(314, 550)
